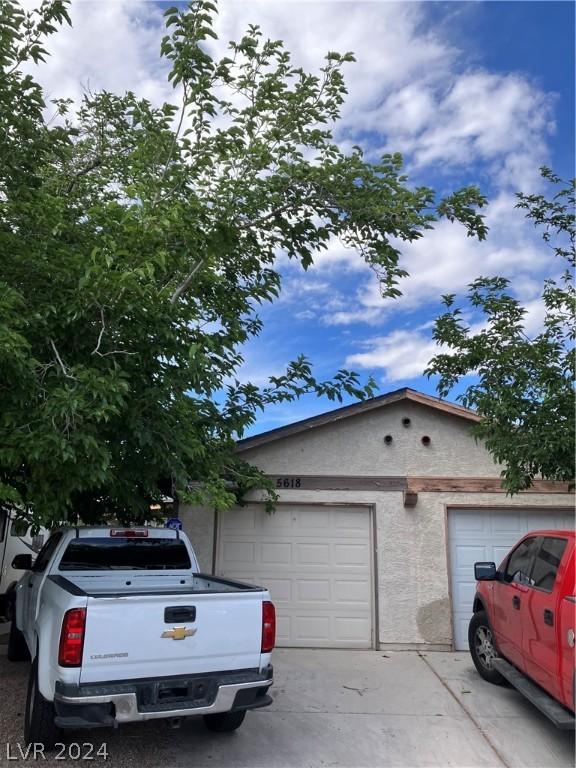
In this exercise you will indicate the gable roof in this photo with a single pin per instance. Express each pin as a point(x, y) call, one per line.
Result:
point(354, 410)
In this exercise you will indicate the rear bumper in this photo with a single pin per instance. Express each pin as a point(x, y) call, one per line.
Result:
point(109, 704)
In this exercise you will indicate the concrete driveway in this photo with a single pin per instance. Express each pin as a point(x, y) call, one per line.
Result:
point(339, 708)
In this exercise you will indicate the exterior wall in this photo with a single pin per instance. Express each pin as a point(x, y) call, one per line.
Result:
point(199, 522)
point(411, 579)
point(411, 559)
point(355, 446)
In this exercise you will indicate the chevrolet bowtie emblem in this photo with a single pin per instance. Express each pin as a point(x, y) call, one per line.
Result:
point(178, 633)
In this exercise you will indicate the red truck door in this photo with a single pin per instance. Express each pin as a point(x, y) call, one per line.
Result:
point(542, 618)
point(510, 600)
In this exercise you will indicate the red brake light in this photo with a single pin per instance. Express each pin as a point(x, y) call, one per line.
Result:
point(268, 626)
point(72, 638)
point(129, 533)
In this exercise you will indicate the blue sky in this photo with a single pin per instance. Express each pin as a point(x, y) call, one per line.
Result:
point(475, 92)
point(529, 45)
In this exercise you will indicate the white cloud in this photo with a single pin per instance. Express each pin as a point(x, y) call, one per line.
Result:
point(408, 87)
point(446, 261)
point(338, 256)
point(112, 45)
point(401, 355)
point(404, 354)
point(306, 314)
point(411, 91)
point(482, 116)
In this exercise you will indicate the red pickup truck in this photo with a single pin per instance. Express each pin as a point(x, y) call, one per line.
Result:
point(523, 625)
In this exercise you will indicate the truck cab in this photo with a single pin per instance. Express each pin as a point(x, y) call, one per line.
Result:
point(16, 538)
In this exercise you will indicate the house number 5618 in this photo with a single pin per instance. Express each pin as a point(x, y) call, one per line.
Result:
point(288, 482)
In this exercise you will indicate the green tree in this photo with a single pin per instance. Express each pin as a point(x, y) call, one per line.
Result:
point(524, 388)
point(137, 243)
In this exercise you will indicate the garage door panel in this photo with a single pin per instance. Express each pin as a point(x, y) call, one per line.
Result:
point(465, 591)
point(351, 554)
point(280, 589)
point(313, 591)
point(239, 552)
point(279, 553)
point(320, 519)
point(470, 524)
point(498, 553)
point(312, 628)
point(514, 524)
point(278, 521)
point(467, 555)
point(351, 629)
point(350, 521)
point(486, 534)
point(283, 630)
point(242, 520)
point(313, 554)
point(354, 592)
point(317, 569)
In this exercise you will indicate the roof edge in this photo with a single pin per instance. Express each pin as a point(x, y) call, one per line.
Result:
point(288, 430)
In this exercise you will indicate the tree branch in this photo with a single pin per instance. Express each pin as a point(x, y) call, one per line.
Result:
point(59, 359)
point(183, 287)
point(266, 217)
point(97, 347)
point(83, 171)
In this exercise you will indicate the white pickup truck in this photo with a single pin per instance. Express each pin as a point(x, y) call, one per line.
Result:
point(121, 627)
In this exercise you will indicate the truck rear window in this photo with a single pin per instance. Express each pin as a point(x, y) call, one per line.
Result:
point(125, 554)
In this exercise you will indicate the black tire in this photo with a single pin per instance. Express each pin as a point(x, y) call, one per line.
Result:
point(17, 648)
point(39, 727)
point(224, 722)
point(483, 648)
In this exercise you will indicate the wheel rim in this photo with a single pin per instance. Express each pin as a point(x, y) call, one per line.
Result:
point(484, 646)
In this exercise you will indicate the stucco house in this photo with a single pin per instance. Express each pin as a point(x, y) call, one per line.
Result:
point(384, 507)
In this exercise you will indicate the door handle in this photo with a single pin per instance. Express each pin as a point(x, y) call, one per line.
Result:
point(548, 617)
point(516, 602)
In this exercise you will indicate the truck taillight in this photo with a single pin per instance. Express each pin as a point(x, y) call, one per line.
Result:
point(72, 638)
point(268, 626)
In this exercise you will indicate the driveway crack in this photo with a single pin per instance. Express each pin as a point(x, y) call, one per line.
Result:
point(467, 712)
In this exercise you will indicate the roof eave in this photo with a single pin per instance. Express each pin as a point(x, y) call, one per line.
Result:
point(280, 433)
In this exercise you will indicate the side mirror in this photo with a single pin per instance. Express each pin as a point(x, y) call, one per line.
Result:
point(485, 571)
point(22, 563)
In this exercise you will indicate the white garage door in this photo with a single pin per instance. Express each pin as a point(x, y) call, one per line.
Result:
point(316, 562)
point(486, 534)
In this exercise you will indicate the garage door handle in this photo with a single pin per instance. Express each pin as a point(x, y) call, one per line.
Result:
point(516, 602)
point(548, 618)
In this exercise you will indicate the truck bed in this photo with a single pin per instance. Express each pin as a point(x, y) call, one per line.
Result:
point(115, 585)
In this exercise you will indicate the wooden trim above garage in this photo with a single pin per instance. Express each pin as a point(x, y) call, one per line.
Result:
point(411, 484)
point(478, 485)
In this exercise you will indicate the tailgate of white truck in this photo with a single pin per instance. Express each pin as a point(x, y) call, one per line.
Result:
point(137, 636)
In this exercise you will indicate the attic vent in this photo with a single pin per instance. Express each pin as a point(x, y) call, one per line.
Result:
point(406, 422)
point(388, 439)
point(426, 440)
